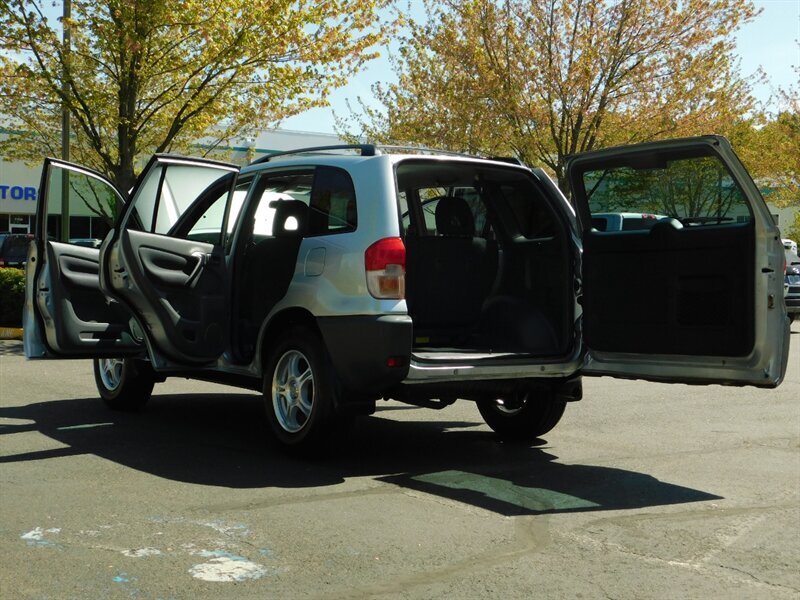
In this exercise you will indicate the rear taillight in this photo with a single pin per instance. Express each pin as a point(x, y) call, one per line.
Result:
point(385, 262)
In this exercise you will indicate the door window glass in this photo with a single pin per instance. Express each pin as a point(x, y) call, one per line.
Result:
point(208, 228)
point(696, 191)
point(167, 192)
point(80, 206)
point(204, 220)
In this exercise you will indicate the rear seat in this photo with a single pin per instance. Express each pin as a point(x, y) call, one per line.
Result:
point(449, 275)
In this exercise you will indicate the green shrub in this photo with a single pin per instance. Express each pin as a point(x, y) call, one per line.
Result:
point(12, 297)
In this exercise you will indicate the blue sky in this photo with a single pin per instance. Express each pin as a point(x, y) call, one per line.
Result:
point(770, 41)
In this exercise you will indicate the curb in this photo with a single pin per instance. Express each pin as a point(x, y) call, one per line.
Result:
point(10, 333)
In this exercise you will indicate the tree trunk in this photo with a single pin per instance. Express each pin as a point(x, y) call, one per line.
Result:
point(124, 176)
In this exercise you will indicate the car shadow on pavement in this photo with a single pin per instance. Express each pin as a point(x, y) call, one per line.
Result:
point(222, 440)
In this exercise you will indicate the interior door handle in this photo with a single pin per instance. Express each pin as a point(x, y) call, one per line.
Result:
point(202, 258)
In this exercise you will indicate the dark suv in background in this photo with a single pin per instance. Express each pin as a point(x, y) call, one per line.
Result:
point(792, 281)
point(14, 249)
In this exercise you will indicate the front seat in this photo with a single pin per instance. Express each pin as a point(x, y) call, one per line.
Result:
point(270, 264)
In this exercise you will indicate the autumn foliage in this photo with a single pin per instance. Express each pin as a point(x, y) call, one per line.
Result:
point(542, 80)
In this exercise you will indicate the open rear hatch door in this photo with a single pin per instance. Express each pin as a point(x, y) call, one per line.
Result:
point(689, 291)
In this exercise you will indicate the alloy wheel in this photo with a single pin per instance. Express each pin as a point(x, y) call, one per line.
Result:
point(111, 372)
point(293, 391)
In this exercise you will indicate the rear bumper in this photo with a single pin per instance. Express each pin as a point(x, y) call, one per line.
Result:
point(473, 368)
point(362, 347)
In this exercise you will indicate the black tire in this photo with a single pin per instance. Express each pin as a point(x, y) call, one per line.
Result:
point(123, 383)
point(300, 391)
point(523, 417)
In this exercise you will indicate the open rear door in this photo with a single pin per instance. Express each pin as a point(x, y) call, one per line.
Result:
point(687, 285)
point(66, 314)
point(166, 260)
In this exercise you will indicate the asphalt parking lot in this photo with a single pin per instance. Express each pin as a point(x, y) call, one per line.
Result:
point(643, 491)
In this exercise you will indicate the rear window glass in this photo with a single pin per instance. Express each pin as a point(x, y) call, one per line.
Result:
point(697, 191)
point(14, 244)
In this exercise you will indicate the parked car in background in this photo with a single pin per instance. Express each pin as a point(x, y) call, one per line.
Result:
point(792, 280)
point(625, 221)
point(14, 249)
point(332, 278)
point(86, 242)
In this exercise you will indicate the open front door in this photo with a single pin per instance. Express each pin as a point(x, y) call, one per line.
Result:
point(66, 313)
point(166, 260)
point(682, 266)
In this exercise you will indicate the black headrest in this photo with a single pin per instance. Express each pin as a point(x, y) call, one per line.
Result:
point(453, 217)
point(285, 209)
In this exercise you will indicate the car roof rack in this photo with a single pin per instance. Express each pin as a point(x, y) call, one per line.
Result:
point(364, 149)
point(392, 148)
point(512, 160)
point(378, 149)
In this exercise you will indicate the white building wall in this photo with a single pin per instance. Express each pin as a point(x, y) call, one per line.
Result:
point(18, 186)
point(19, 182)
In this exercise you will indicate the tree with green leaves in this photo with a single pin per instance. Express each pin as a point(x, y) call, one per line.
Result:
point(542, 80)
point(145, 76)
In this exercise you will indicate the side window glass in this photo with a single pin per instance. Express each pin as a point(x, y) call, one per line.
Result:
point(271, 189)
point(532, 219)
point(478, 209)
point(696, 191)
point(429, 200)
point(333, 203)
point(402, 200)
point(81, 206)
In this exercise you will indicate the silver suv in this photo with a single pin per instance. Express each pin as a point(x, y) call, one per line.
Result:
point(334, 277)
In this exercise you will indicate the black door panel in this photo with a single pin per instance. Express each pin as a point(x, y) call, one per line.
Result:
point(670, 290)
point(178, 288)
point(78, 319)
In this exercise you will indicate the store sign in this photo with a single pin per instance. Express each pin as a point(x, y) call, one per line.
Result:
point(17, 192)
